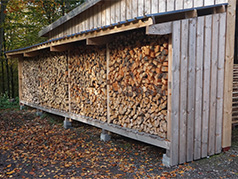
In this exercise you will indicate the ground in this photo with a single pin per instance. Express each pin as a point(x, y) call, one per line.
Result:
point(39, 147)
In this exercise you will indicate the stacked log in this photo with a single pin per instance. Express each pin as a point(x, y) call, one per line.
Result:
point(30, 84)
point(138, 81)
point(88, 82)
point(45, 80)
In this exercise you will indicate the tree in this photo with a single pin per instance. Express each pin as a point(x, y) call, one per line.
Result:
point(20, 21)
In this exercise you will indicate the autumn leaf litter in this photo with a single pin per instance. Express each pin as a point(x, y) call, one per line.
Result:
point(39, 147)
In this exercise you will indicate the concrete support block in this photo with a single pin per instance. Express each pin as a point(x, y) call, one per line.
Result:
point(39, 112)
point(166, 159)
point(105, 136)
point(22, 107)
point(67, 123)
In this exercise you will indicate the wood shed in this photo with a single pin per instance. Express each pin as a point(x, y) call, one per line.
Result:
point(158, 71)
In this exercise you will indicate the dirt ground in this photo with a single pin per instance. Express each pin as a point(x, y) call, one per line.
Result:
point(39, 147)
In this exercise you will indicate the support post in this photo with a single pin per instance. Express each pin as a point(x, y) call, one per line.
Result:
point(228, 80)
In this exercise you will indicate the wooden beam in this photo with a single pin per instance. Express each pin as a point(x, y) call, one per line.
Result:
point(220, 9)
point(61, 48)
point(191, 14)
point(159, 29)
point(228, 83)
point(130, 133)
point(19, 56)
point(31, 54)
point(99, 40)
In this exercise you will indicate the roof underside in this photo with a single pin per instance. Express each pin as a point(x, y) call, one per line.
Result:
point(78, 10)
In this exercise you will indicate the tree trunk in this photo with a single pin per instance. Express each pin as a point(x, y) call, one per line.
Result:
point(2, 19)
point(12, 81)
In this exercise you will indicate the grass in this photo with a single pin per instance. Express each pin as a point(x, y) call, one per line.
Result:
point(6, 103)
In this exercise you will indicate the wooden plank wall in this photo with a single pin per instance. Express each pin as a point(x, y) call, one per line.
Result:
point(109, 12)
point(197, 87)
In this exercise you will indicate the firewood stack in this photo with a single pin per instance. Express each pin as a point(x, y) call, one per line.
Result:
point(45, 80)
point(30, 86)
point(138, 80)
point(88, 87)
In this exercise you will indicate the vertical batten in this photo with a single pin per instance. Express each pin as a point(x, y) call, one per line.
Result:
point(220, 81)
point(123, 10)
point(206, 84)
point(208, 2)
point(128, 9)
point(134, 8)
point(140, 7)
point(191, 88)
point(183, 91)
point(99, 15)
point(174, 148)
point(179, 4)
point(103, 14)
point(198, 3)
point(170, 5)
point(118, 11)
point(162, 5)
point(95, 16)
point(147, 7)
point(199, 88)
point(188, 4)
point(213, 104)
point(113, 12)
point(154, 6)
point(108, 14)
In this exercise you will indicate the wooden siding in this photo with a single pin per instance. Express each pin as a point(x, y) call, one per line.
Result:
point(197, 87)
point(109, 12)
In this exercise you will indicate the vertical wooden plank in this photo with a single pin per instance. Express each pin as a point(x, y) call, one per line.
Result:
point(103, 14)
point(123, 10)
point(179, 4)
point(199, 88)
point(220, 80)
point(206, 84)
point(20, 61)
point(198, 3)
point(154, 6)
point(228, 83)
point(212, 121)
point(170, 60)
point(175, 94)
point(118, 11)
point(147, 7)
point(162, 5)
point(113, 12)
point(108, 87)
point(95, 16)
point(183, 91)
point(91, 18)
point(191, 88)
point(108, 13)
point(170, 5)
point(140, 7)
point(188, 4)
point(128, 9)
point(134, 8)
point(208, 2)
point(99, 16)
point(87, 21)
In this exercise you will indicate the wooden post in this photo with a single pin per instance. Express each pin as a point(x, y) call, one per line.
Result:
point(20, 61)
point(228, 83)
point(108, 96)
point(69, 79)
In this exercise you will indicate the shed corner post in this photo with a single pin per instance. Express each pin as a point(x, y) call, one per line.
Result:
point(228, 83)
point(20, 61)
